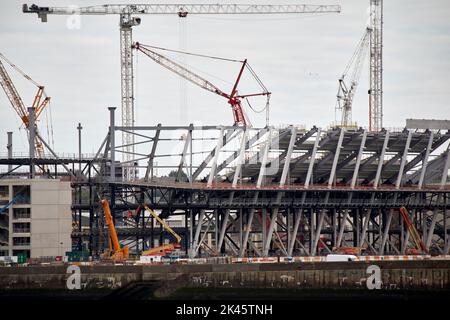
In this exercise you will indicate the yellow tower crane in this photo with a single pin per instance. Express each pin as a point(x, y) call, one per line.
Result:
point(40, 100)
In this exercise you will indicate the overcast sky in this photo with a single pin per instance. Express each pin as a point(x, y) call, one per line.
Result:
point(298, 58)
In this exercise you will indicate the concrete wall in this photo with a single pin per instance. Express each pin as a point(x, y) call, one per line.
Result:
point(51, 218)
point(427, 275)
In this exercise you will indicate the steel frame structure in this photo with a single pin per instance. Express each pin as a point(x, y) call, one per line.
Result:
point(266, 191)
point(128, 20)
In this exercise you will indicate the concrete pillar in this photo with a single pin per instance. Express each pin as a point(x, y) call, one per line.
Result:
point(112, 142)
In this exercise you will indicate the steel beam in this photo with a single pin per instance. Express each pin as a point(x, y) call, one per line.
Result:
point(318, 232)
point(313, 158)
point(268, 239)
point(343, 222)
point(225, 223)
point(183, 155)
point(9, 147)
point(364, 227)
point(151, 156)
point(381, 160)
point(247, 230)
point(262, 169)
point(425, 160)
point(249, 225)
point(198, 228)
point(445, 171)
point(430, 232)
point(402, 164)
point(358, 159)
point(385, 234)
point(225, 140)
point(240, 160)
point(112, 144)
point(336, 158)
point(287, 160)
point(31, 140)
point(212, 172)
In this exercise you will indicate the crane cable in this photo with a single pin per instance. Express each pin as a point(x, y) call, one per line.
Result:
point(50, 135)
point(190, 53)
point(21, 72)
point(247, 65)
point(263, 87)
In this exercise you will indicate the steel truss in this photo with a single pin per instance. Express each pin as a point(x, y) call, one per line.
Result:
point(266, 191)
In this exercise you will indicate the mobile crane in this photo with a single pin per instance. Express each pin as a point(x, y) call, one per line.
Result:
point(115, 252)
point(164, 249)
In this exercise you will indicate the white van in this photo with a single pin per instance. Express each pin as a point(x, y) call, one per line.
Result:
point(340, 257)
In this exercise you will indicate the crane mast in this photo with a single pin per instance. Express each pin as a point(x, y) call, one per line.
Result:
point(346, 91)
point(376, 66)
point(127, 21)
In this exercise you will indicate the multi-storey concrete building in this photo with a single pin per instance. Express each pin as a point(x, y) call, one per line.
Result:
point(37, 220)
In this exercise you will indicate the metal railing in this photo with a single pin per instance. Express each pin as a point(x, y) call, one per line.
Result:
point(63, 155)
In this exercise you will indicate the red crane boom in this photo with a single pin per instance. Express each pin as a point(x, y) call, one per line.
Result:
point(233, 98)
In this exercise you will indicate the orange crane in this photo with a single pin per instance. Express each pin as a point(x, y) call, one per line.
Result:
point(164, 249)
point(40, 100)
point(234, 99)
point(115, 251)
point(420, 246)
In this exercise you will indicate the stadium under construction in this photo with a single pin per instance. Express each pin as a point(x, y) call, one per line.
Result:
point(259, 192)
point(222, 211)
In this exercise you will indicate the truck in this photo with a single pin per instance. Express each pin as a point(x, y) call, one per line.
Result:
point(340, 257)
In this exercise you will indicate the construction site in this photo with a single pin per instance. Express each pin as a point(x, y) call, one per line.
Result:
point(298, 203)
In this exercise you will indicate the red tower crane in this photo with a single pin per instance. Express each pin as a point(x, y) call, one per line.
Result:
point(234, 99)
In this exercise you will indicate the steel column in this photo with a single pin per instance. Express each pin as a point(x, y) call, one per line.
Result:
point(287, 160)
point(381, 160)
point(112, 144)
point(402, 164)
point(212, 173)
point(358, 159)
point(313, 158)
point(425, 160)
point(336, 158)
